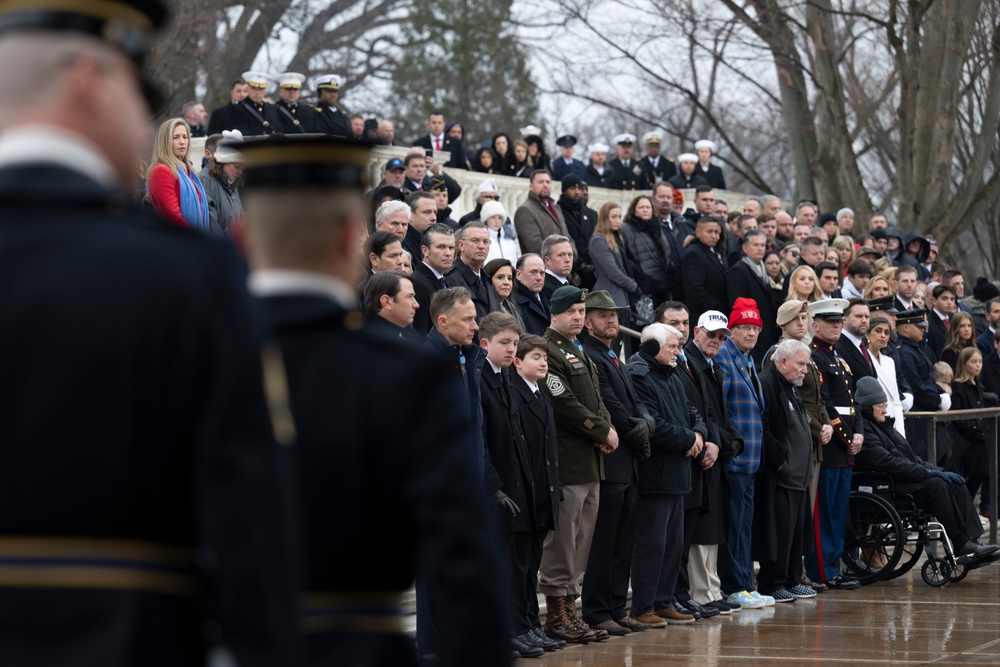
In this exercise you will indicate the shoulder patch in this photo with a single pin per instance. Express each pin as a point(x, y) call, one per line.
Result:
point(555, 385)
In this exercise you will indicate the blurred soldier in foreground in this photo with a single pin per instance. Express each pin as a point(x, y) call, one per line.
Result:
point(142, 510)
point(384, 495)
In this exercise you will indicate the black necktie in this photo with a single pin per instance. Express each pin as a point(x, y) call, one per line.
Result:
point(442, 282)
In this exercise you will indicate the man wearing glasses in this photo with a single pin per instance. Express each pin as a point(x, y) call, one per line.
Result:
point(488, 191)
point(473, 242)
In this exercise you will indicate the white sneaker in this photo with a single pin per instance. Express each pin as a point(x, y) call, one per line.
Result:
point(767, 599)
point(746, 601)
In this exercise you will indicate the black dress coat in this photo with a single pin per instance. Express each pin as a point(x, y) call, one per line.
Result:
point(508, 468)
point(223, 118)
point(937, 335)
point(990, 377)
point(332, 120)
point(620, 400)
point(706, 281)
point(744, 282)
point(451, 145)
point(967, 396)
point(713, 175)
point(596, 180)
point(298, 119)
point(682, 182)
point(404, 491)
point(425, 284)
point(134, 435)
point(551, 285)
point(538, 424)
point(254, 120)
point(632, 177)
point(860, 368)
point(484, 295)
point(534, 313)
point(664, 170)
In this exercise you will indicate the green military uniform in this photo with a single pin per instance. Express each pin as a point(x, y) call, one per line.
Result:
point(582, 420)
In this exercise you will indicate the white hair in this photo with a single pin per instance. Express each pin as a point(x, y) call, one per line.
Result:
point(390, 207)
point(658, 331)
point(788, 347)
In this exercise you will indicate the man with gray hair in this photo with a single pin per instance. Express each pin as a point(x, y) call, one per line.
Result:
point(393, 217)
point(473, 242)
point(771, 204)
point(783, 506)
point(557, 253)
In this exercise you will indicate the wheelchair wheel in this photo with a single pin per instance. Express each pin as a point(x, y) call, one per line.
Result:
point(874, 538)
point(936, 572)
point(958, 573)
point(912, 548)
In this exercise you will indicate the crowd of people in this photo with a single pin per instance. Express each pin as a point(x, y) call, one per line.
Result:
point(211, 453)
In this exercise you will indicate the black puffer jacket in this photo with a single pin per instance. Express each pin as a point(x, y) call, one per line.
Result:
point(649, 253)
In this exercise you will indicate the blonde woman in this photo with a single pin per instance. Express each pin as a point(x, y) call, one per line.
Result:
point(173, 188)
point(607, 251)
point(803, 285)
point(845, 251)
point(877, 287)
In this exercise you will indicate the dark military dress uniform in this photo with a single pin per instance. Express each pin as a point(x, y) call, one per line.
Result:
point(253, 119)
point(630, 177)
point(334, 121)
point(662, 171)
point(297, 118)
point(835, 473)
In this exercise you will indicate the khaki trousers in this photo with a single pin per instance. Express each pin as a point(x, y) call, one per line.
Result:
point(565, 552)
point(703, 576)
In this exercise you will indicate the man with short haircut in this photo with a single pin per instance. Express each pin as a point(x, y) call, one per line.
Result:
point(828, 277)
point(771, 204)
point(752, 207)
point(557, 253)
point(357, 125)
point(853, 344)
point(390, 304)
point(585, 435)
point(437, 250)
point(767, 224)
point(807, 213)
point(945, 304)
point(539, 216)
point(859, 272)
point(748, 278)
point(195, 115)
point(734, 242)
point(473, 243)
point(529, 295)
point(956, 281)
point(675, 314)
point(676, 228)
point(703, 270)
point(384, 251)
point(223, 118)
point(784, 227)
point(801, 231)
point(746, 403)
point(985, 340)
point(783, 505)
point(419, 180)
point(906, 286)
point(386, 133)
point(606, 582)
point(393, 217)
point(838, 455)
point(295, 118)
point(423, 214)
point(877, 221)
point(437, 140)
point(720, 210)
point(704, 205)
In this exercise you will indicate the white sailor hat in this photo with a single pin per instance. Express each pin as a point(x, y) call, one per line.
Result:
point(704, 143)
point(598, 148)
point(828, 309)
point(624, 139)
point(256, 79)
point(652, 137)
point(290, 80)
point(687, 157)
point(531, 131)
point(328, 82)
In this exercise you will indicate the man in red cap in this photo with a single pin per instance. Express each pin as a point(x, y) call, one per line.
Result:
point(746, 403)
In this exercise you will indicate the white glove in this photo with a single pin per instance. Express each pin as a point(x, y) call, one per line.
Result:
point(907, 402)
point(945, 402)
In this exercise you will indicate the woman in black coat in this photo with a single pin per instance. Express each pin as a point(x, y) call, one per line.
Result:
point(503, 148)
point(486, 162)
point(967, 394)
point(646, 249)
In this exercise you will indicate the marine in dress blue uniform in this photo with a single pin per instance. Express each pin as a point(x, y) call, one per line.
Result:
point(144, 507)
point(390, 489)
point(255, 118)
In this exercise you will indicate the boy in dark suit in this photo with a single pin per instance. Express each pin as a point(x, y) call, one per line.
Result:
point(538, 426)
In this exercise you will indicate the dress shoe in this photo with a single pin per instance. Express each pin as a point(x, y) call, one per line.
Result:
point(650, 619)
point(985, 513)
point(547, 643)
point(817, 586)
point(526, 650)
point(842, 583)
point(674, 617)
point(692, 607)
point(530, 639)
point(559, 625)
point(632, 624)
point(612, 628)
point(970, 548)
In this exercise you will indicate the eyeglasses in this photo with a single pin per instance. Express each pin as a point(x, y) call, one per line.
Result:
point(489, 196)
point(880, 406)
point(717, 335)
point(477, 241)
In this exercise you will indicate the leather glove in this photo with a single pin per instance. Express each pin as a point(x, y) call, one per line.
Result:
point(991, 399)
point(638, 434)
point(650, 421)
point(505, 505)
point(945, 402)
point(953, 478)
point(644, 452)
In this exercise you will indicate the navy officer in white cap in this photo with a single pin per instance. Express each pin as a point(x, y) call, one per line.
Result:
point(332, 119)
point(656, 167)
point(710, 172)
point(628, 175)
point(599, 174)
point(687, 177)
point(296, 118)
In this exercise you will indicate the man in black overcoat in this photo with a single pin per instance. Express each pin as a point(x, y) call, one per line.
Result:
point(405, 494)
point(747, 278)
point(145, 497)
point(528, 296)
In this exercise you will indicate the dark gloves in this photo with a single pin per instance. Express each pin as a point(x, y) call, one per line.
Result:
point(638, 433)
point(636, 294)
point(505, 505)
point(990, 399)
point(950, 477)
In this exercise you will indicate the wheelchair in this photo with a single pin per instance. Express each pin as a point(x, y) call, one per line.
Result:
point(887, 532)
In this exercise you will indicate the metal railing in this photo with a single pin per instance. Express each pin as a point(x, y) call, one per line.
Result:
point(992, 414)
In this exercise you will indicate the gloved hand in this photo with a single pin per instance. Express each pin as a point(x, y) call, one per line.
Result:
point(638, 434)
point(945, 402)
point(650, 421)
point(505, 505)
point(643, 452)
point(953, 478)
point(636, 294)
point(907, 402)
point(934, 473)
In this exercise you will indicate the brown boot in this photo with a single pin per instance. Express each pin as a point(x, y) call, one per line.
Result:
point(559, 626)
point(577, 620)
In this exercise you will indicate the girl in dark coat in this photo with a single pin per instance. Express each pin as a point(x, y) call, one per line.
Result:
point(503, 148)
point(967, 394)
point(537, 157)
point(486, 162)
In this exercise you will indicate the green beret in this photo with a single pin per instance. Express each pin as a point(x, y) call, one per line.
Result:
point(566, 296)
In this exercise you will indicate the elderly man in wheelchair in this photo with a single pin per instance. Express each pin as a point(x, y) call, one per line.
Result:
point(937, 492)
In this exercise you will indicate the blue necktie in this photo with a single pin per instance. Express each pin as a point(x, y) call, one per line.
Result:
point(614, 357)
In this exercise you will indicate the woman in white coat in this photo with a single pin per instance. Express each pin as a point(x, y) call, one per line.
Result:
point(503, 238)
point(885, 369)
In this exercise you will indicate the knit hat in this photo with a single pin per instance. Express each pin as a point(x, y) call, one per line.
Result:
point(490, 209)
point(571, 181)
point(869, 392)
point(745, 312)
point(790, 309)
point(985, 290)
point(844, 211)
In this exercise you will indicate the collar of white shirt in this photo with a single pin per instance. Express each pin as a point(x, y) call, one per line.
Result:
point(286, 282)
point(49, 144)
point(851, 337)
point(531, 385)
point(564, 281)
point(437, 275)
point(496, 369)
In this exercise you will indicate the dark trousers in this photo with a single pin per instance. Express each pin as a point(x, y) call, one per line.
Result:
point(524, 555)
point(790, 510)
point(605, 584)
point(829, 522)
point(656, 558)
point(953, 507)
point(735, 556)
point(682, 591)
